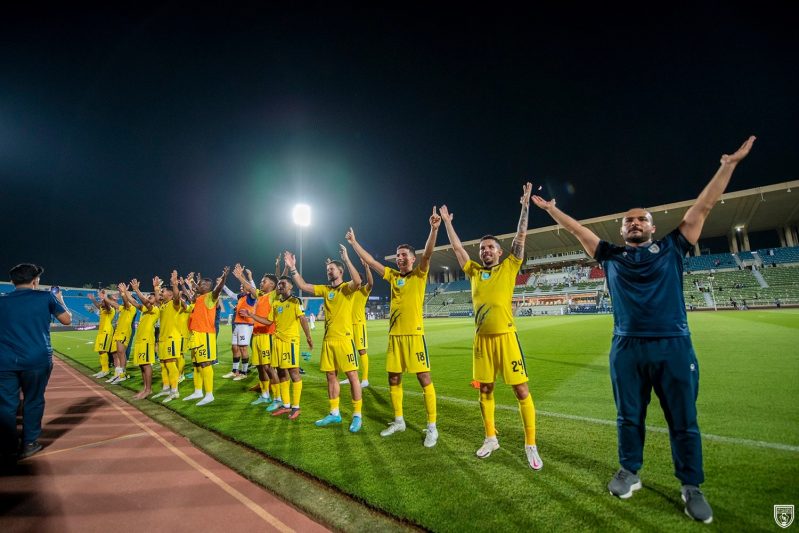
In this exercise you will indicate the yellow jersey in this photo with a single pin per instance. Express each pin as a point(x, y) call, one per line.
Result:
point(286, 316)
point(407, 301)
point(106, 324)
point(492, 295)
point(338, 310)
point(125, 318)
point(169, 320)
point(183, 320)
point(146, 330)
point(359, 305)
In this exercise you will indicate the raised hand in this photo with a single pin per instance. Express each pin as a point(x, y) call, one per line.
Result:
point(249, 273)
point(238, 271)
point(527, 189)
point(190, 277)
point(225, 271)
point(122, 287)
point(342, 250)
point(134, 283)
point(350, 236)
point(543, 204)
point(446, 216)
point(435, 219)
point(739, 154)
point(173, 279)
point(290, 260)
point(157, 282)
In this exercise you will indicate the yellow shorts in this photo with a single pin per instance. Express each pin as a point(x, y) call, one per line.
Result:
point(261, 350)
point(102, 343)
point(407, 353)
point(359, 332)
point(288, 352)
point(339, 355)
point(143, 353)
point(121, 336)
point(170, 347)
point(494, 353)
point(203, 347)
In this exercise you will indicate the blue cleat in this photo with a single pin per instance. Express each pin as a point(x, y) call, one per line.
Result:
point(274, 406)
point(356, 424)
point(329, 419)
point(260, 400)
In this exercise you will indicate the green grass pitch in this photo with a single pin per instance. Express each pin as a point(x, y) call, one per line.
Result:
point(748, 408)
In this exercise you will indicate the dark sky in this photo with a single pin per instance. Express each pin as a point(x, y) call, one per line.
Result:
point(132, 142)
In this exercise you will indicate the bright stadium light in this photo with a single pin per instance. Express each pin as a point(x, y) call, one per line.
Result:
point(301, 214)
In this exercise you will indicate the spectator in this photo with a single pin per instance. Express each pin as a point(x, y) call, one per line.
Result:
point(26, 358)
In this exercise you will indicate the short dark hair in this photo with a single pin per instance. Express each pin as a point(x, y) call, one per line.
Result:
point(24, 273)
point(271, 277)
point(407, 247)
point(492, 238)
point(287, 279)
point(338, 264)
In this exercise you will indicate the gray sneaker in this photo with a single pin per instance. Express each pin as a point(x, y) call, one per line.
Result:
point(624, 483)
point(696, 505)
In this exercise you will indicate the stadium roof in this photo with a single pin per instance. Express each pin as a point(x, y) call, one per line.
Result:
point(762, 208)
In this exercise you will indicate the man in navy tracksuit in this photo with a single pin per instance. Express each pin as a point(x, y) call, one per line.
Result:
point(651, 346)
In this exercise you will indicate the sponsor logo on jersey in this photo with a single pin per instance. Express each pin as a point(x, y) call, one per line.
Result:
point(654, 248)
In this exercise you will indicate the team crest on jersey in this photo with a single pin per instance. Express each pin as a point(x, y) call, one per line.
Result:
point(654, 248)
point(485, 275)
point(331, 295)
point(783, 515)
point(280, 310)
point(400, 282)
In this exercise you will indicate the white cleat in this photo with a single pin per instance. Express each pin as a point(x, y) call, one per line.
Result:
point(533, 458)
point(240, 377)
point(101, 374)
point(431, 437)
point(165, 392)
point(206, 400)
point(230, 375)
point(173, 396)
point(343, 381)
point(392, 428)
point(196, 395)
point(182, 378)
point(364, 384)
point(120, 379)
point(490, 444)
point(113, 379)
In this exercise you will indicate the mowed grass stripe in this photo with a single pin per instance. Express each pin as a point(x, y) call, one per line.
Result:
point(448, 489)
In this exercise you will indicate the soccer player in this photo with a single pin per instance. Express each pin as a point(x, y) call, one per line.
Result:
point(203, 337)
point(170, 342)
point(359, 325)
point(407, 349)
point(242, 326)
point(186, 308)
point(122, 334)
point(144, 347)
point(651, 347)
point(262, 335)
point(287, 315)
point(105, 332)
point(338, 347)
point(496, 345)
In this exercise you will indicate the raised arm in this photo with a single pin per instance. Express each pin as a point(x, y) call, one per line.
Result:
point(111, 301)
point(435, 222)
point(94, 300)
point(221, 283)
point(365, 256)
point(355, 282)
point(291, 263)
point(370, 280)
point(587, 238)
point(157, 289)
point(694, 219)
point(173, 282)
point(249, 286)
point(134, 284)
point(460, 252)
point(127, 300)
point(517, 248)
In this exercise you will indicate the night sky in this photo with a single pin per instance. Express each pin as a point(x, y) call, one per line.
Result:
point(134, 142)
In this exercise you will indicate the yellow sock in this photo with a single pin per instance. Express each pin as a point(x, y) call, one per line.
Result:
point(284, 392)
point(365, 367)
point(181, 364)
point(296, 393)
point(208, 378)
point(395, 391)
point(104, 362)
point(356, 407)
point(334, 405)
point(487, 408)
point(264, 386)
point(164, 375)
point(172, 373)
point(198, 378)
point(430, 403)
point(275, 389)
point(527, 411)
